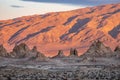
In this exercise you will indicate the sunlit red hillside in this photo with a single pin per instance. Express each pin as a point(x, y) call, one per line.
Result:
point(64, 30)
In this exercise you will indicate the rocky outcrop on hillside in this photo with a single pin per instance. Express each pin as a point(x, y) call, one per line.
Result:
point(3, 52)
point(98, 49)
point(20, 51)
point(60, 54)
point(36, 55)
point(117, 52)
point(73, 53)
point(117, 49)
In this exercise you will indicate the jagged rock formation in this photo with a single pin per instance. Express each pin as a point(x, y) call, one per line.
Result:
point(20, 51)
point(23, 51)
point(73, 53)
point(98, 49)
point(36, 55)
point(60, 54)
point(3, 52)
point(76, 28)
point(33, 53)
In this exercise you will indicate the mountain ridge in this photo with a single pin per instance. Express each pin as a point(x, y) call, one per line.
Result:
point(64, 30)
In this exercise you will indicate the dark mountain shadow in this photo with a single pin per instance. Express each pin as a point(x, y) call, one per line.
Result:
point(36, 23)
point(76, 27)
point(114, 6)
point(46, 29)
point(70, 19)
point(91, 11)
point(114, 32)
point(36, 33)
point(45, 15)
point(115, 11)
point(79, 24)
point(17, 33)
point(19, 25)
point(110, 13)
point(106, 16)
point(10, 24)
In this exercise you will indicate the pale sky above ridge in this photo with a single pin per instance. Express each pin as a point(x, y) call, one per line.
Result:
point(16, 8)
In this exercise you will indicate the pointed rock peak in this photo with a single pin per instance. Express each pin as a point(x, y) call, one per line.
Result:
point(117, 52)
point(117, 49)
point(36, 55)
point(98, 49)
point(40, 57)
point(97, 44)
point(3, 51)
point(34, 49)
point(60, 54)
point(22, 45)
point(21, 50)
point(2, 47)
point(73, 52)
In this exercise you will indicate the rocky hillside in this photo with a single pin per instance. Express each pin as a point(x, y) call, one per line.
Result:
point(64, 30)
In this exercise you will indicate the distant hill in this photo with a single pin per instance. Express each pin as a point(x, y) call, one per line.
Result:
point(64, 30)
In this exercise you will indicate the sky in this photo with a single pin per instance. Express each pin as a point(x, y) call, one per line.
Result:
point(16, 8)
